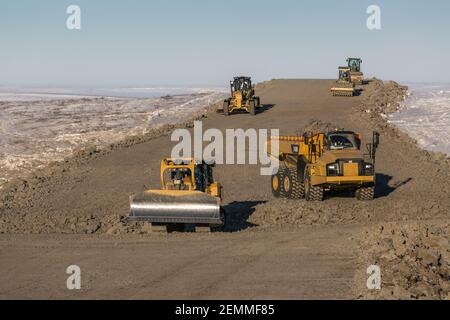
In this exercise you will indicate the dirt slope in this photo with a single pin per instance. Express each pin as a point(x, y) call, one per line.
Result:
point(304, 244)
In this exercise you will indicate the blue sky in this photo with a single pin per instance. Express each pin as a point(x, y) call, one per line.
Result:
point(206, 42)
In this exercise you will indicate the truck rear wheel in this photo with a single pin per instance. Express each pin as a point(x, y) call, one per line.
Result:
point(276, 183)
point(252, 107)
point(286, 184)
point(365, 194)
point(313, 193)
point(292, 187)
point(297, 187)
point(226, 107)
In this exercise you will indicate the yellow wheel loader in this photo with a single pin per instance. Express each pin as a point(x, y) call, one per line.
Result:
point(242, 97)
point(343, 87)
point(356, 76)
point(188, 196)
point(313, 164)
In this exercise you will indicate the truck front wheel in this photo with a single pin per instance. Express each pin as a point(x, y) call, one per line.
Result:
point(365, 193)
point(313, 193)
point(226, 107)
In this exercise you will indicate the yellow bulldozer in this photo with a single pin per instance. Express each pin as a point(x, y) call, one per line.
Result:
point(344, 87)
point(356, 76)
point(242, 97)
point(313, 164)
point(189, 196)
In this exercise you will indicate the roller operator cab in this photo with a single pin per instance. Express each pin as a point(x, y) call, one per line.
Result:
point(188, 196)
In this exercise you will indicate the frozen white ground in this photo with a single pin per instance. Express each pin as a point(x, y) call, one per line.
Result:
point(51, 93)
point(37, 128)
point(425, 116)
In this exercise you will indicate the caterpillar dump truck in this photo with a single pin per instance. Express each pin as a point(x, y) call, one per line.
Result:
point(312, 164)
point(356, 76)
point(242, 97)
point(188, 196)
point(343, 87)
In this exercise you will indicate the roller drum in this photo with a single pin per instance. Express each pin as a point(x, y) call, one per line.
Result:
point(176, 207)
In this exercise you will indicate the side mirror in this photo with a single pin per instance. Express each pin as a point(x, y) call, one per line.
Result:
point(376, 139)
point(305, 138)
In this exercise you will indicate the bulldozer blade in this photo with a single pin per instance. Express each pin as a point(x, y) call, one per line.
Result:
point(189, 207)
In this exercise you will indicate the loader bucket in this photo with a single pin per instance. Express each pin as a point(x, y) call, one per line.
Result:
point(189, 207)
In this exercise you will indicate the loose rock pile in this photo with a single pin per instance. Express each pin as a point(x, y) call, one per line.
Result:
point(414, 260)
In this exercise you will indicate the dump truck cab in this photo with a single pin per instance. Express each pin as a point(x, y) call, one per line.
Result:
point(313, 164)
point(356, 76)
point(345, 140)
point(242, 97)
point(342, 163)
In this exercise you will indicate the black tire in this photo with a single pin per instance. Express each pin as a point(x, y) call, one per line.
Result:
point(276, 183)
point(313, 193)
point(224, 218)
point(298, 188)
point(257, 102)
point(226, 107)
point(365, 193)
point(252, 107)
point(286, 184)
point(292, 187)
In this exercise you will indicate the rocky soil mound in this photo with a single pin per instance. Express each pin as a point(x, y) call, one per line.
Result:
point(414, 259)
point(19, 195)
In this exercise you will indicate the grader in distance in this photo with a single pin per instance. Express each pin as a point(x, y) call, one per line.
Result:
point(242, 97)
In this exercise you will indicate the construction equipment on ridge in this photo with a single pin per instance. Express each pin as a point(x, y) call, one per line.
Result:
point(343, 87)
point(242, 97)
point(189, 195)
point(314, 163)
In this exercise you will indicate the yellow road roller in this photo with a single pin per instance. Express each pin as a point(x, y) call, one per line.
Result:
point(188, 196)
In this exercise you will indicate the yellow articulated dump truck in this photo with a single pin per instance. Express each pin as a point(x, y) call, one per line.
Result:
point(242, 97)
point(189, 196)
point(313, 164)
